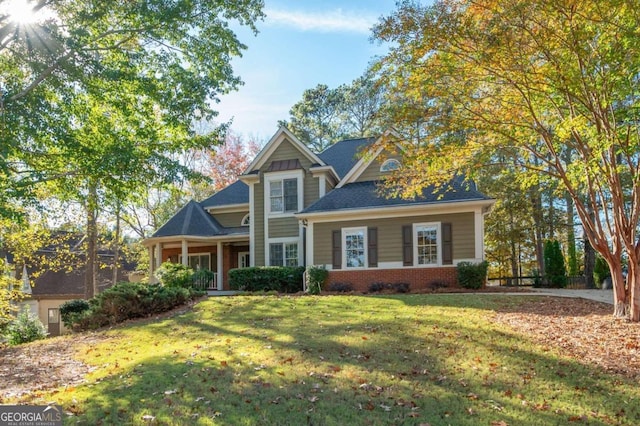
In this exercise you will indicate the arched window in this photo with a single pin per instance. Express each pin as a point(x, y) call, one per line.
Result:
point(246, 220)
point(390, 165)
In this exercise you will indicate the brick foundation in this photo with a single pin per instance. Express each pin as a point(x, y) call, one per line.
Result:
point(418, 278)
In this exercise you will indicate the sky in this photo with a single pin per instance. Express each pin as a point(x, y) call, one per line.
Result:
point(300, 44)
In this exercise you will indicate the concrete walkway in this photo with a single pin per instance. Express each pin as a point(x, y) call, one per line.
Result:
point(605, 296)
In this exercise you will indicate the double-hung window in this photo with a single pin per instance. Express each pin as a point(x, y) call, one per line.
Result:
point(283, 195)
point(283, 254)
point(426, 243)
point(355, 247)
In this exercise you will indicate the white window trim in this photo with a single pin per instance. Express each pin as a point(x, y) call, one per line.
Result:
point(438, 227)
point(388, 163)
point(294, 240)
point(281, 176)
point(246, 220)
point(197, 255)
point(346, 231)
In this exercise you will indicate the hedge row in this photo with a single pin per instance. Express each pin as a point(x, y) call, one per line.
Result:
point(283, 279)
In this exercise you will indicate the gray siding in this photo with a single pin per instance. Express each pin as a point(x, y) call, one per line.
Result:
point(373, 171)
point(390, 235)
point(283, 227)
point(230, 219)
point(257, 216)
point(280, 227)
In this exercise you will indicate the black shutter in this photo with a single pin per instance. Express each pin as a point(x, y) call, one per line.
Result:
point(447, 244)
point(372, 241)
point(407, 245)
point(337, 249)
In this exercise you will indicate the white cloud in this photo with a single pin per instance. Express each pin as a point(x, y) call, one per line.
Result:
point(330, 21)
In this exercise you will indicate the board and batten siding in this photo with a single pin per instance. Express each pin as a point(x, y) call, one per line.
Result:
point(390, 236)
point(229, 220)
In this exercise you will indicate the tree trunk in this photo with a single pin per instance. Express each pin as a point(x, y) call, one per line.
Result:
point(91, 281)
point(620, 295)
point(116, 246)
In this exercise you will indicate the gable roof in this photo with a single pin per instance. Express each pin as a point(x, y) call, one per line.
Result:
point(236, 193)
point(343, 155)
point(191, 219)
point(281, 135)
point(366, 195)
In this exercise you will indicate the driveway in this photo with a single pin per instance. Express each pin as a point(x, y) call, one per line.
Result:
point(605, 296)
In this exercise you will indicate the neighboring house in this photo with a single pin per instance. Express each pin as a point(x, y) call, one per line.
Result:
point(294, 207)
point(46, 290)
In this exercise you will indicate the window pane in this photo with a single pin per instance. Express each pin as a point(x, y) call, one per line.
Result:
point(275, 255)
point(275, 192)
point(354, 249)
point(291, 254)
point(427, 245)
point(290, 195)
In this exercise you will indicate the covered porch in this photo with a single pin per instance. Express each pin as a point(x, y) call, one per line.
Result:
point(215, 254)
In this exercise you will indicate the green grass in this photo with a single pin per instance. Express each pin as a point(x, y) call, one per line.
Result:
point(344, 360)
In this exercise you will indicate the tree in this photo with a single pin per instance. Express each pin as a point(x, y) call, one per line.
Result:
point(315, 119)
point(96, 99)
point(531, 80)
point(555, 270)
point(224, 164)
point(325, 115)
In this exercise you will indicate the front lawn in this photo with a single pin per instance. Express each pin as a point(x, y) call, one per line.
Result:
point(340, 360)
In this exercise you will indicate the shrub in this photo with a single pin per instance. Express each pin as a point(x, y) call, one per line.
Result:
point(72, 311)
point(378, 286)
point(341, 287)
point(472, 275)
point(554, 267)
point(401, 287)
point(25, 328)
point(316, 277)
point(284, 279)
point(126, 301)
point(174, 275)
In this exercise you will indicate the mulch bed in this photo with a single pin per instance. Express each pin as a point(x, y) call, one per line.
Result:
point(583, 329)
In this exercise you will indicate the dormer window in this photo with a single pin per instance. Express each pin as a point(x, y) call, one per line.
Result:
point(390, 165)
point(246, 221)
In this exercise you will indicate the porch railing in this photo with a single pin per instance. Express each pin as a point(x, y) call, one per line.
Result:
point(204, 279)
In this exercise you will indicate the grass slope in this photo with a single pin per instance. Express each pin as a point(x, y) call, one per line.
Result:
point(387, 360)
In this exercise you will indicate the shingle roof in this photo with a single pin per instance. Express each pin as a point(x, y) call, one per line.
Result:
point(365, 195)
point(343, 155)
point(236, 193)
point(192, 219)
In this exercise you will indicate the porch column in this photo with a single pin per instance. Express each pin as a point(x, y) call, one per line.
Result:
point(220, 258)
point(185, 253)
point(479, 235)
point(158, 255)
point(151, 264)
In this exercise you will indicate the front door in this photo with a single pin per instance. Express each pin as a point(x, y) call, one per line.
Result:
point(243, 259)
point(54, 322)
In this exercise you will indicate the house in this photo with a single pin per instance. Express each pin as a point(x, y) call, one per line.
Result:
point(46, 289)
point(298, 208)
